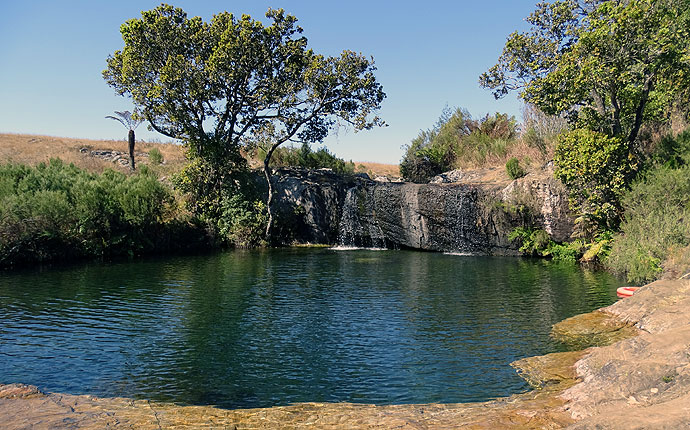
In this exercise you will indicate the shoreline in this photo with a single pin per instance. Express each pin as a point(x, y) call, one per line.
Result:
point(641, 376)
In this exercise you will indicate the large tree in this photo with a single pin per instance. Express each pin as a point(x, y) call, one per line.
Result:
point(609, 65)
point(217, 84)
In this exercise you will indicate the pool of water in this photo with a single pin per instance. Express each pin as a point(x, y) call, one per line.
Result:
point(273, 327)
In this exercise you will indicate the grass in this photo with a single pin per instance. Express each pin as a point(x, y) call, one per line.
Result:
point(377, 169)
point(33, 149)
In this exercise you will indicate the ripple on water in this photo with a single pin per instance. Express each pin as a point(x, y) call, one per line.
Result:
point(252, 329)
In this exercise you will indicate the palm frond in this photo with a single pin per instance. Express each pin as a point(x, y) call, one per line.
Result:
point(126, 119)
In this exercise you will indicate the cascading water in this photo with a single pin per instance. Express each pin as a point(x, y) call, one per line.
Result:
point(348, 219)
point(358, 225)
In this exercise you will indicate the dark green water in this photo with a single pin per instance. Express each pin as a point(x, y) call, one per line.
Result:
point(264, 328)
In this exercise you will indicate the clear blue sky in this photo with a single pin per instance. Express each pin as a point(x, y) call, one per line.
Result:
point(429, 54)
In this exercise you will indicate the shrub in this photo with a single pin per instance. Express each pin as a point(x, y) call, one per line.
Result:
point(596, 169)
point(514, 169)
point(57, 211)
point(564, 252)
point(305, 157)
point(532, 242)
point(425, 159)
point(656, 223)
point(457, 141)
point(243, 222)
point(143, 199)
point(155, 156)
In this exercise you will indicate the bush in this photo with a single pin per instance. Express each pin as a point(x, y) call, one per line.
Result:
point(57, 211)
point(425, 159)
point(514, 169)
point(155, 156)
point(532, 242)
point(656, 223)
point(457, 141)
point(596, 169)
point(305, 157)
point(672, 152)
point(243, 222)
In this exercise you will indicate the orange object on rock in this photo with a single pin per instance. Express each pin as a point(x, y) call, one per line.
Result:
point(623, 292)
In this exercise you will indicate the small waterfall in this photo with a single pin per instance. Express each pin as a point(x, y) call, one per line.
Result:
point(358, 226)
point(349, 219)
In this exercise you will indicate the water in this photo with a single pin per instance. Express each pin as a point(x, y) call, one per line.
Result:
point(265, 328)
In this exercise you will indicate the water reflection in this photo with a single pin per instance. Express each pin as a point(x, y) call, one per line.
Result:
point(261, 328)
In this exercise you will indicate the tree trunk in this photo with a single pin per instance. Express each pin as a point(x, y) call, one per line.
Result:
point(131, 149)
point(616, 128)
point(639, 112)
point(269, 200)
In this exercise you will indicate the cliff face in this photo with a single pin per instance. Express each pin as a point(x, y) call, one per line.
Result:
point(465, 217)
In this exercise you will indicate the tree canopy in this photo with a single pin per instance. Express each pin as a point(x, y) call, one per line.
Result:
point(219, 84)
point(608, 65)
point(212, 84)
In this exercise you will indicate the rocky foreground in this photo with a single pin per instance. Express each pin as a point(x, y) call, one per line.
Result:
point(641, 380)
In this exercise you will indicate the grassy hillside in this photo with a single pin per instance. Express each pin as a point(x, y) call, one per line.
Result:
point(33, 149)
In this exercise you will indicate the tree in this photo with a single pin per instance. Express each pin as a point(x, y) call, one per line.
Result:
point(125, 118)
point(218, 84)
point(609, 65)
point(596, 169)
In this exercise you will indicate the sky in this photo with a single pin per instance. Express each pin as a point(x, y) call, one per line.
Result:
point(429, 55)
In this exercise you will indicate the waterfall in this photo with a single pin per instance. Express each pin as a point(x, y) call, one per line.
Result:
point(348, 219)
point(358, 226)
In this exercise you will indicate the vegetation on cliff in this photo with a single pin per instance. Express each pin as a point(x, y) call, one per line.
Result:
point(458, 140)
point(619, 73)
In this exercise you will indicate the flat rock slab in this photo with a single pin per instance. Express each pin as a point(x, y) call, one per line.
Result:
point(538, 410)
point(642, 382)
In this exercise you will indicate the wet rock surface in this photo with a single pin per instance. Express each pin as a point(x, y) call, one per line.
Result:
point(468, 211)
point(642, 382)
point(55, 411)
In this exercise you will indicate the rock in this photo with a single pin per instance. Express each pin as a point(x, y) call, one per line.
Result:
point(472, 217)
point(18, 391)
point(447, 177)
point(546, 198)
point(641, 382)
point(592, 329)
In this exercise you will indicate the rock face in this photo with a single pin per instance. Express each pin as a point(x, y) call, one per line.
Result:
point(641, 382)
point(466, 217)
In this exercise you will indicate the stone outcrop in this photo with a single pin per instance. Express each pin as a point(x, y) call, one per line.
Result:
point(642, 382)
point(474, 215)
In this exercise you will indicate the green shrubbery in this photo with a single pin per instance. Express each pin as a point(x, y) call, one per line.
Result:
point(657, 214)
point(457, 140)
point(596, 169)
point(155, 156)
point(513, 169)
point(242, 221)
point(229, 200)
point(58, 211)
point(305, 157)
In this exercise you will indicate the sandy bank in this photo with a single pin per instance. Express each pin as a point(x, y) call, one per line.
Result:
point(638, 382)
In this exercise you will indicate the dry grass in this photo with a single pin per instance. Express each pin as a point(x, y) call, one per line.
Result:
point(33, 149)
point(677, 263)
point(377, 169)
point(524, 152)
